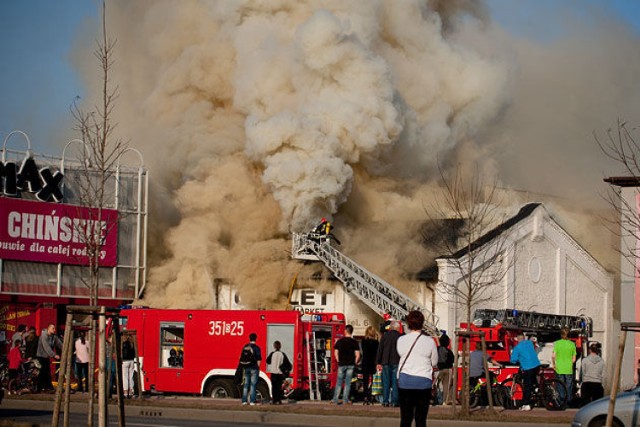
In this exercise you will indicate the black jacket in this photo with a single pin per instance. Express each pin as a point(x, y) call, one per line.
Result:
point(387, 350)
point(369, 355)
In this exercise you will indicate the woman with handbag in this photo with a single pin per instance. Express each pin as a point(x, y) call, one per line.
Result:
point(418, 355)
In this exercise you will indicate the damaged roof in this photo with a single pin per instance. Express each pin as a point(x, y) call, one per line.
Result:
point(430, 273)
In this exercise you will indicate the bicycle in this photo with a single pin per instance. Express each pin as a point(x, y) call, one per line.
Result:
point(27, 379)
point(549, 393)
point(478, 394)
point(4, 371)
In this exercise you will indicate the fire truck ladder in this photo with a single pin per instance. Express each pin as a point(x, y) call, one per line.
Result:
point(532, 321)
point(312, 367)
point(377, 294)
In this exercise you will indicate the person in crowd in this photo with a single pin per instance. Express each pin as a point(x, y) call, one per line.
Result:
point(15, 359)
point(47, 345)
point(388, 360)
point(82, 362)
point(418, 355)
point(369, 353)
point(250, 358)
point(110, 367)
point(128, 357)
point(31, 344)
point(347, 353)
point(563, 359)
point(445, 366)
point(476, 364)
point(274, 362)
point(524, 353)
point(19, 335)
point(592, 375)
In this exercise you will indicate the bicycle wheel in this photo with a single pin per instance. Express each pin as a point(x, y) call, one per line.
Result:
point(475, 397)
point(499, 395)
point(554, 395)
point(512, 394)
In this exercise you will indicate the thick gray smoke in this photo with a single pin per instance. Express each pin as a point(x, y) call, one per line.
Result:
point(257, 118)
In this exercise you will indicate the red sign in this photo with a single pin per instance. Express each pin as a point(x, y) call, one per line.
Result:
point(56, 233)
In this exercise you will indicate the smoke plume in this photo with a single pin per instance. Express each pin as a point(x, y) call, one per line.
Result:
point(256, 118)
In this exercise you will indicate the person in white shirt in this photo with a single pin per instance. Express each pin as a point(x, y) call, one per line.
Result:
point(274, 361)
point(418, 355)
point(82, 362)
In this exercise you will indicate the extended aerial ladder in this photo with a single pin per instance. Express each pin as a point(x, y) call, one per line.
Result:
point(531, 321)
point(377, 294)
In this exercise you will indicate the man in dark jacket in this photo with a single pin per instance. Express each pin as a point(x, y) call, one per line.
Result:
point(46, 351)
point(250, 362)
point(388, 360)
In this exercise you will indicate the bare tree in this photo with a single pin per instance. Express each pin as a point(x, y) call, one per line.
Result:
point(95, 177)
point(94, 184)
point(476, 250)
point(621, 146)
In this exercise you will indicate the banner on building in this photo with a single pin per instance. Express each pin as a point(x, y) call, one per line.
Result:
point(56, 233)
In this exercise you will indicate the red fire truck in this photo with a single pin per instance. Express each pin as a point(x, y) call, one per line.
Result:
point(502, 326)
point(197, 351)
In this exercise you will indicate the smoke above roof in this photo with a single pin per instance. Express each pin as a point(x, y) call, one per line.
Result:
point(257, 118)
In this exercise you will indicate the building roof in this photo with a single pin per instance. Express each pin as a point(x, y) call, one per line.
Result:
point(523, 213)
point(431, 273)
point(624, 181)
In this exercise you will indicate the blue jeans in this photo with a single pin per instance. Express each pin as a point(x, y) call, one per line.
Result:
point(567, 380)
point(250, 379)
point(390, 383)
point(344, 375)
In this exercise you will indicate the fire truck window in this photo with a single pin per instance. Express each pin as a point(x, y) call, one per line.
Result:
point(171, 345)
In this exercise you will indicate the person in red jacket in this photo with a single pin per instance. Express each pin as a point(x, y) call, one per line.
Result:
point(15, 359)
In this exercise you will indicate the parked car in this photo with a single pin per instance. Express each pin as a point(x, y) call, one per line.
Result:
point(626, 414)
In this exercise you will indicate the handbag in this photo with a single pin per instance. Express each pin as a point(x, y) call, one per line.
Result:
point(376, 384)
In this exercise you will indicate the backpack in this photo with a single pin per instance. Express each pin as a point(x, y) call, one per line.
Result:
point(445, 358)
point(247, 357)
point(285, 366)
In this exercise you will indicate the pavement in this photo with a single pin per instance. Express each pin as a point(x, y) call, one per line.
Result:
point(315, 413)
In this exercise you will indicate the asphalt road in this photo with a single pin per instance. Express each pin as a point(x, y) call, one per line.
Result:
point(172, 412)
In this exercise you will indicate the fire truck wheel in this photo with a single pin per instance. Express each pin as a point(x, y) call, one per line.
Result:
point(221, 388)
point(262, 391)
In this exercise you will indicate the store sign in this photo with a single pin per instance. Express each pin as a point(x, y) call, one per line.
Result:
point(56, 233)
point(311, 301)
point(41, 182)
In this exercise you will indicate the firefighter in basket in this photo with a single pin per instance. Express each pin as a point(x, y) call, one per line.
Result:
point(323, 232)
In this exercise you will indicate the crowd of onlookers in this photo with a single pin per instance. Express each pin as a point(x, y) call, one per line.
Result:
point(26, 347)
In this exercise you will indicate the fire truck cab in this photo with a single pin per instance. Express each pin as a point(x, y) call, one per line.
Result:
point(197, 351)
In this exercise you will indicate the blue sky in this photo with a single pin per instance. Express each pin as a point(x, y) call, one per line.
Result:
point(38, 82)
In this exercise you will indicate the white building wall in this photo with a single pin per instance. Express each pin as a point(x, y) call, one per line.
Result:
point(548, 273)
point(628, 296)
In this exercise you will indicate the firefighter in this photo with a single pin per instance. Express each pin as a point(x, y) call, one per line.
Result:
point(324, 231)
point(322, 227)
point(173, 358)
